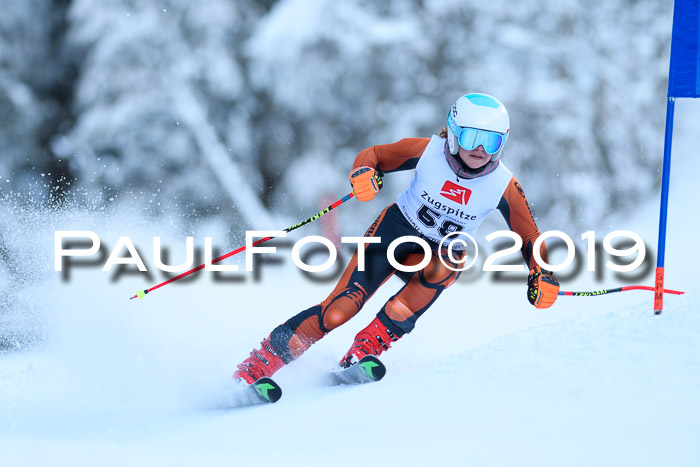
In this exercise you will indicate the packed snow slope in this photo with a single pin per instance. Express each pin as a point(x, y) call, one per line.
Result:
point(484, 380)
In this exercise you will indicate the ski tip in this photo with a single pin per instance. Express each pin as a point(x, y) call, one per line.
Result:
point(372, 367)
point(368, 369)
point(267, 390)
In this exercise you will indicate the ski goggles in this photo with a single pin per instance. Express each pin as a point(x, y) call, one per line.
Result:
point(472, 138)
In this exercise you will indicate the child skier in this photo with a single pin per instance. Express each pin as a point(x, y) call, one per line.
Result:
point(459, 179)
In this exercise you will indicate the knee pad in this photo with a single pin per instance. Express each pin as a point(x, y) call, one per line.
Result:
point(437, 276)
point(342, 307)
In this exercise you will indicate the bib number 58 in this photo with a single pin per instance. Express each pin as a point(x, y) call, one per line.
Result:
point(429, 218)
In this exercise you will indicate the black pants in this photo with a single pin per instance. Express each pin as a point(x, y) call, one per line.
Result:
point(399, 314)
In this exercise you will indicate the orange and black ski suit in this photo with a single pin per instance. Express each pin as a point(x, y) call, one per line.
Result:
point(421, 289)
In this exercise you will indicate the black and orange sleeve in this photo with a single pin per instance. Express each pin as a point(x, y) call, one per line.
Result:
point(394, 157)
point(516, 211)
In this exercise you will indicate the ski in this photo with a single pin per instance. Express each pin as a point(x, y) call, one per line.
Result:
point(263, 391)
point(367, 370)
point(266, 391)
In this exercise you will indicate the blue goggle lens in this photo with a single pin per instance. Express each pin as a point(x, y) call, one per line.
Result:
point(471, 138)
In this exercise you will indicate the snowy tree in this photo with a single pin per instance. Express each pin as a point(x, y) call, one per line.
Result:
point(155, 103)
point(35, 81)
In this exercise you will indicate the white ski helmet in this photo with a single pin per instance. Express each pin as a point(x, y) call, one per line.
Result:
point(478, 119)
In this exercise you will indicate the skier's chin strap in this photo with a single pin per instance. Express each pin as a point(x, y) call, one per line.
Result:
point(462, 171)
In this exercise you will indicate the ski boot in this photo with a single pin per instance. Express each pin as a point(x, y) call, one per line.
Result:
point(372, 340)
point(261, 362)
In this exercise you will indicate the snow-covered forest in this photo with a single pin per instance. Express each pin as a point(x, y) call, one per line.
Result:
point(225, 108)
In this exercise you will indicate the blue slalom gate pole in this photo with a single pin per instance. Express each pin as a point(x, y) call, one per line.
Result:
point(683, 81)
point(665, 182)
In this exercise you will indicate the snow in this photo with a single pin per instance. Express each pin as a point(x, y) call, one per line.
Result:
point(484, 380)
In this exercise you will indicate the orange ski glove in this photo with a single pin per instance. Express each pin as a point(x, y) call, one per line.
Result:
point(366, 183)
point(542, 288)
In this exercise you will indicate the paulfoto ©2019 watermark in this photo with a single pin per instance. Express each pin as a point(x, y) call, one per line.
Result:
point(503, 257)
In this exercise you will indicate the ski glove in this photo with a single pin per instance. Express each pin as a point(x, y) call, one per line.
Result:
point(542, 288)
point(366, 183)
